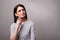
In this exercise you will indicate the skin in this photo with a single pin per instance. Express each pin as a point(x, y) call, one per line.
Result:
point(21, 14)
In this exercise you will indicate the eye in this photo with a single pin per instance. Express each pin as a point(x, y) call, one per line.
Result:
point(19, 11)
point(23, 10)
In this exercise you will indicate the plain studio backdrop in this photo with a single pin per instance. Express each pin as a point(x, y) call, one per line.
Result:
point(44, 13)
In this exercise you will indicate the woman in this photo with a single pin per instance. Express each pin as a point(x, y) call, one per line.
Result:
point(22, 28)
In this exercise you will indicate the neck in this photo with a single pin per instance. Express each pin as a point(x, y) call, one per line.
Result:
point(22, 19)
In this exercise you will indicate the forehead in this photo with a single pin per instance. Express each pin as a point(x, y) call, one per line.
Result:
point(20, 8)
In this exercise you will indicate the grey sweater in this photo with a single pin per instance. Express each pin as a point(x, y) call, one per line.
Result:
point(27, 32)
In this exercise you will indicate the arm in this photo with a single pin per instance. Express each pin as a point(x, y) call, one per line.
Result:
point(14, 34)
point(14, 31)
point(32, 32)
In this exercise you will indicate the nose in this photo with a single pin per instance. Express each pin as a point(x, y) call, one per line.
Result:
point(22, 11)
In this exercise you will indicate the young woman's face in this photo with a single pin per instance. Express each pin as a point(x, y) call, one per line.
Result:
point(20, 12)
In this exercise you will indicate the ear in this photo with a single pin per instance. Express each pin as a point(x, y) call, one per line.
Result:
point(16, 14)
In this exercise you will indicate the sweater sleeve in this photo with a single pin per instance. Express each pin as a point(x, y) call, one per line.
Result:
point(32, 32)
point(12, 29)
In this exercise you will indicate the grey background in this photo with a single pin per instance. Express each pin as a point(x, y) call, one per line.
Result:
point(44, 13)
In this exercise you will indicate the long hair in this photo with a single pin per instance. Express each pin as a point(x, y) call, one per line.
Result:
point(15, 10)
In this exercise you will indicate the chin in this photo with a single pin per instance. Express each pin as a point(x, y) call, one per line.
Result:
point(22, 16)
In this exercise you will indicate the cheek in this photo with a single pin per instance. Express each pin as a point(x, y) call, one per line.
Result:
point(21, 13)
point(24, 12)
point(18, 14)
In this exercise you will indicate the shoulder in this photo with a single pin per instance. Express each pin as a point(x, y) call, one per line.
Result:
point(12, 25)
point(30, 22)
